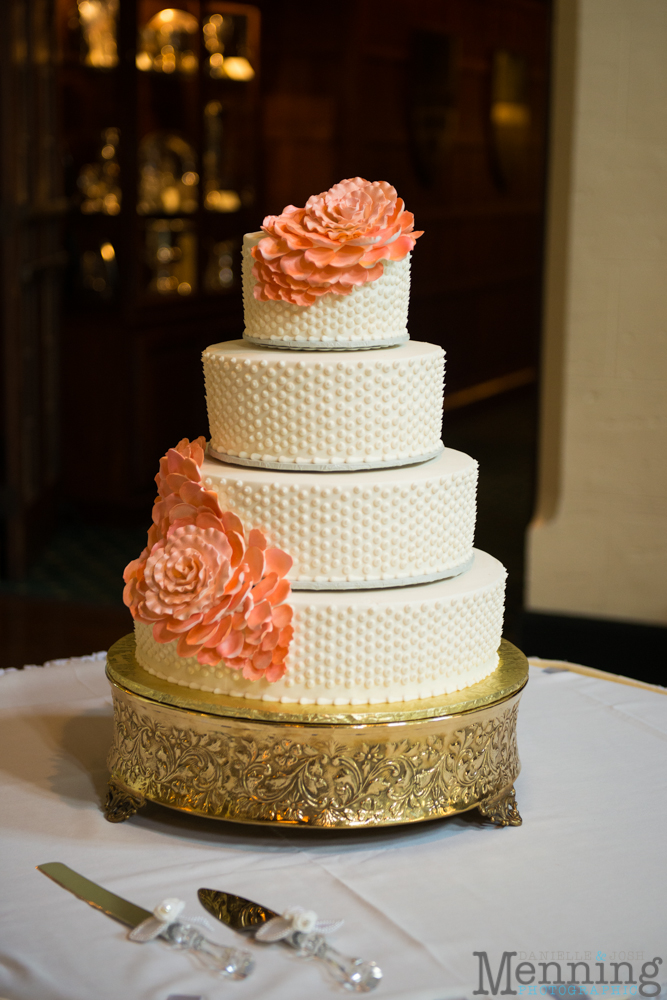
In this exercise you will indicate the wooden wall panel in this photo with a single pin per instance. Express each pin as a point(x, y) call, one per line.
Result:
point(31, 259)
point(477, 270)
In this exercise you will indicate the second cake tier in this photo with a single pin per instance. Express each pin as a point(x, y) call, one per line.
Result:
point(381, 528)
point(324, 410)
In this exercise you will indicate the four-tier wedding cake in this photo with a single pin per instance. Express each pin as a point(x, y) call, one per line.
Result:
point(320, 550)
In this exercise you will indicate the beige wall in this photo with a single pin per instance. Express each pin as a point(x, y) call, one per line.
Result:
point(598, 544)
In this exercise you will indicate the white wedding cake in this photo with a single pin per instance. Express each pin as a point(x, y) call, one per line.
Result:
point(321, 550)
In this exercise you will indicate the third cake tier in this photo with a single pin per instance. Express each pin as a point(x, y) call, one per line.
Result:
point(382, 528)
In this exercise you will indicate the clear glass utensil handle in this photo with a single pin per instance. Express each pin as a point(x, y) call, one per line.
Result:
point(230, 962)
point(353, 974)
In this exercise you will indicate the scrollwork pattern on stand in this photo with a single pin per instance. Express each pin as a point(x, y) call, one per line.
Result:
point(258, 776)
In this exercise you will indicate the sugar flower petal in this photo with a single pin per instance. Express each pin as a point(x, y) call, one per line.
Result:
point(278, 562)
point(231, 645)
point(280, 592)
point(260, 613)
point(257, 539)
point(275, 671)
point(282, 616)
point(265, 587)
point(254, 560)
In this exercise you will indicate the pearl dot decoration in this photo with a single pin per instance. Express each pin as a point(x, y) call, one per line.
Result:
point(386, 528)
point(374, 315)
point(371, 647)
point(324, 410)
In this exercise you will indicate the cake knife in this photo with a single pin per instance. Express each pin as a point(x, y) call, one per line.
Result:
point(246, 917)
point(230, 962)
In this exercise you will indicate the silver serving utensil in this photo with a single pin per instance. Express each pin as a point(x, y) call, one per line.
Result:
point(246, 917)
point(230, 962)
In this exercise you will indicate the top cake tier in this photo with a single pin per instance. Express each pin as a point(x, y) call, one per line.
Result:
point(372, 315)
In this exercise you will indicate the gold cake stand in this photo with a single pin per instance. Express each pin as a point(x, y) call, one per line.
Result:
point(316, 766)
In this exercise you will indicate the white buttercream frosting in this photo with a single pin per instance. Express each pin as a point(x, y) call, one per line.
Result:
point(383, 528)
point(373, 315)
point(324, 409)
point(370, 647)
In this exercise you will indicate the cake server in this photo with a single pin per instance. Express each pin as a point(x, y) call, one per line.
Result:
point(228, 962)
point(246, 917)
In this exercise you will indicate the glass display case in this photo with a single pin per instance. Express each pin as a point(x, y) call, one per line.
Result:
point(159, 112)
point(162, 137)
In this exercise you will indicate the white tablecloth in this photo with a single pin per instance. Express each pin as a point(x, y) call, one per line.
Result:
point(585, 873)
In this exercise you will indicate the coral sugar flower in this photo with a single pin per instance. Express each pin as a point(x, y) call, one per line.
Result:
point(201, 583)
point(335, 244)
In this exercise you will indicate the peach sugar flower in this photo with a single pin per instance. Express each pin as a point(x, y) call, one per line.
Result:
point(200, 583)
point(337, 242)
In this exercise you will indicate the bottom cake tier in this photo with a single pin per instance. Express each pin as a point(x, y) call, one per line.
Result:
point(367, 647)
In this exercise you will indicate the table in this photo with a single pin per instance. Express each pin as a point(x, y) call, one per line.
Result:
point(585, 873)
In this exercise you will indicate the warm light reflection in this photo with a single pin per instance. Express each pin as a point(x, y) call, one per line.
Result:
point(510, 118)
point(171, 199)
point(509, 113)
point(98, 25)
point(98, 271)
point(171, 254)
point(168, 181)
point(99, 182)
point(220, 196)
point(171, 19)
point(220, 275)
point(237, 68)
point(225, 39)
point(223, 201)
point(509, 90)
point(167, 43)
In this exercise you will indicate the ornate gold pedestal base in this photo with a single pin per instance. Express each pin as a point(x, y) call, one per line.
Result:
point(255, 762)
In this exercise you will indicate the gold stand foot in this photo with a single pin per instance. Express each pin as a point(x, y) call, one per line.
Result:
point(502, 809)
point(121, 803)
